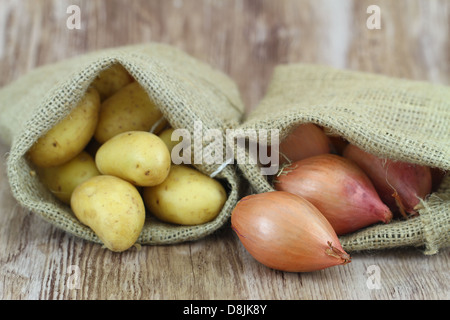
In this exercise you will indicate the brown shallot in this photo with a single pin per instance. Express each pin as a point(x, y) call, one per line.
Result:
point(305, 141)
point(338, 188)
point(286, 232)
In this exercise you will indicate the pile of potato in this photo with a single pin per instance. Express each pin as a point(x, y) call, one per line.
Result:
point(110, 160)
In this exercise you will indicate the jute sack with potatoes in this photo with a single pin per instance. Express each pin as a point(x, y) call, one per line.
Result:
point(391, 118)
point(184, 89)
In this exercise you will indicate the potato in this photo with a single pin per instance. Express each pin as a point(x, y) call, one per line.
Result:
point(186, 197)
point(130, 109)
point(139, 157)
point(111, 80)
point(112, 208)
point(166, 137)
point(63, 179)
point(68, 137)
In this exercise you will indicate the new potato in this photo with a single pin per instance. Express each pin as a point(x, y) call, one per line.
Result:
point(68, 137)
point(166, 137)
point(186, 197)
point(139, 157)
point(63, 179)
point(175, 147)
point(130, 109)
point(112, 208)
point(111, 80)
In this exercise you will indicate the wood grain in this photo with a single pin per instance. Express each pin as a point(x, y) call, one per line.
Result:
point(245, 39)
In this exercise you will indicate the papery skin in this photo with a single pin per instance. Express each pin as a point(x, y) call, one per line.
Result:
point(286, 232)
point(338, 188)
point(305, 141)
point(399, 184)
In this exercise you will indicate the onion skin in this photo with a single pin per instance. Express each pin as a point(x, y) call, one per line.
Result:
point(338, 188)
point(305, 141)
point(399, 184)
point(287, 233)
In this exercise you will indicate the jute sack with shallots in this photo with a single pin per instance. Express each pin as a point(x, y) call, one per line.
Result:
point(182, 91)
point(394, 120)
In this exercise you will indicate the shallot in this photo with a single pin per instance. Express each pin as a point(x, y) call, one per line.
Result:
point(400, 185)
point(286, 232)
point(305, 141)
point(338, 188)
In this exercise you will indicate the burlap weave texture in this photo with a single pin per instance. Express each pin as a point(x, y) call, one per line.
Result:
point(185, 89)
point(392, 118)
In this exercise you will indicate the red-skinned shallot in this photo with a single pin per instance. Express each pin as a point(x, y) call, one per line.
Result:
point(338, 188)
point(286, 232)
point(399, 184)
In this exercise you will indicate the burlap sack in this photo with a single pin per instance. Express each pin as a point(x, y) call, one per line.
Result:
point(392, 118)
point(185, 90)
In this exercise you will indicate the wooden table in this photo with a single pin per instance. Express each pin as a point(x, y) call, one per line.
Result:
point(245, 39)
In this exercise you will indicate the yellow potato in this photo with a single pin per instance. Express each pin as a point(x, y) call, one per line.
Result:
point(186, 197)
point(63, 179)
point(139, 157)
point(69, 137)
point(112, 208)
point(130, 109)
point(111, 80)
point(166, 136)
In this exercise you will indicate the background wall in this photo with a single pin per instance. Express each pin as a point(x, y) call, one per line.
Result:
point(244, 38)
